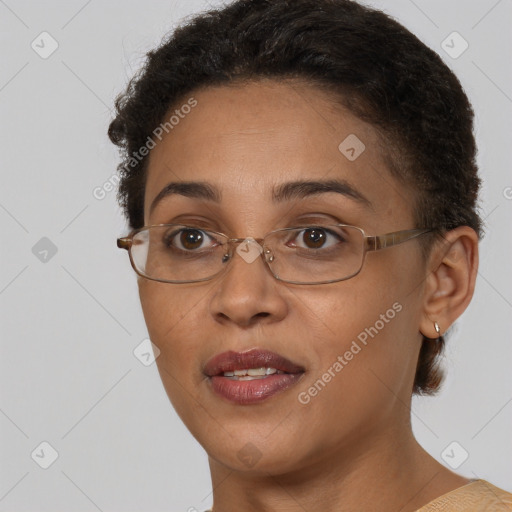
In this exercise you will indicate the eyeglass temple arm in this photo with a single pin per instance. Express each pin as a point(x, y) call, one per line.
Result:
point(375, 243)
point(124, 243)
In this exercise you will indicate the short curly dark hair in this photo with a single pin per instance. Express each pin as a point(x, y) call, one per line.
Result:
point(368, 61)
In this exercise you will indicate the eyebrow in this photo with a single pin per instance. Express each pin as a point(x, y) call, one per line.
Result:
point(302, 189)
point(193, 189)
point(280, 193)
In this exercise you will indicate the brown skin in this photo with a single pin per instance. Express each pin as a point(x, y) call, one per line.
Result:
point(351, 447)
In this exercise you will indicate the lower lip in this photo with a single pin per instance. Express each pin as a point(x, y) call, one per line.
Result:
point(245, 392)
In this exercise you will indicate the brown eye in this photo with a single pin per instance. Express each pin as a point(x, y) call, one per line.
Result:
point(314, 238)
point(187, 239)
point(191, 239)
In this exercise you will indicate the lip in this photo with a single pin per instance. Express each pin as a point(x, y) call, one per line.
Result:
point(244, 392)
point(256, 358)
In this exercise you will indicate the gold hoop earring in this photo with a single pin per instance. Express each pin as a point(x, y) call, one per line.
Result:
point(438, 329)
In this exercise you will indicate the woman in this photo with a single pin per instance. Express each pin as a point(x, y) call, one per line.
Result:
point(300, 181)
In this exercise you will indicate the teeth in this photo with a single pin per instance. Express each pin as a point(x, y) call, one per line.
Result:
point(256, 371)
point(251, 373)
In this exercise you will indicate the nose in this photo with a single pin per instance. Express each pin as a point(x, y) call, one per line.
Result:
point(247, 293)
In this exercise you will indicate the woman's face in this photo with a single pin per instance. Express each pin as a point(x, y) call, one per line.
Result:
point(355, 343)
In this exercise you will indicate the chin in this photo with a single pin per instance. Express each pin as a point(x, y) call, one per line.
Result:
point(255, 460)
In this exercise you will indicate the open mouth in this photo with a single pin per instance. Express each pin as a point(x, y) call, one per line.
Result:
point(252, 376)
point(251, 373)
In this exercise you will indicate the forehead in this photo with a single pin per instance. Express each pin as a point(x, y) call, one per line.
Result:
point(247, 138)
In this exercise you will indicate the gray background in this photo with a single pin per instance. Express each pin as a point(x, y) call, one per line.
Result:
point(70, 321)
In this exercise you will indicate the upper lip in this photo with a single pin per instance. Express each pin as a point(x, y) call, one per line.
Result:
point(256, 358)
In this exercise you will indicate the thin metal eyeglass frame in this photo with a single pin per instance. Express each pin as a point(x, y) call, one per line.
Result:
point(371, 243)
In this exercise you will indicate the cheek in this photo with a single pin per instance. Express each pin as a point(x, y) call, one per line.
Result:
point(173, 319)
point(350, 321)
point(366, 333)
point(172, 315)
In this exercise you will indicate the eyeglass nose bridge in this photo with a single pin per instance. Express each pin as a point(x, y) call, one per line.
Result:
point(264, 250)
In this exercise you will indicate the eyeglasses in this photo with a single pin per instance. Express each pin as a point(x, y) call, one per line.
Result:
point(313, 254)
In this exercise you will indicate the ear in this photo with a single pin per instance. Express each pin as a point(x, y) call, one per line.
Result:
point(450, 284)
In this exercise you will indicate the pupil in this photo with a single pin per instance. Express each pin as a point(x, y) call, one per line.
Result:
point(314, 238)
point(191, 239)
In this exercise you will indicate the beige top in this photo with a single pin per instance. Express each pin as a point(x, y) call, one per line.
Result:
point(476, 496)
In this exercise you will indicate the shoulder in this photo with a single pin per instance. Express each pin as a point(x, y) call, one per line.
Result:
point(477, 496)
